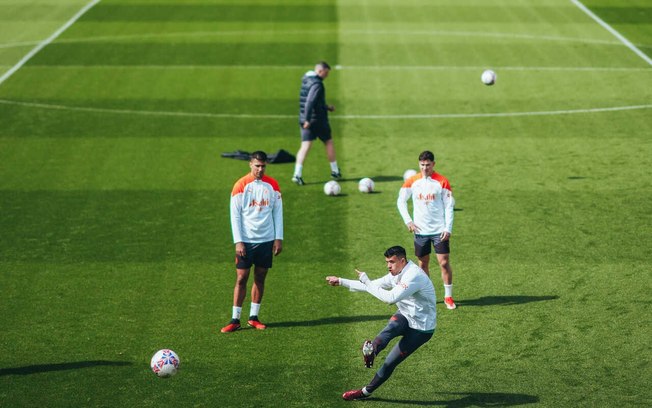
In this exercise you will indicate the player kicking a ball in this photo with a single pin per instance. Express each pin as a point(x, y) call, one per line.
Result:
point(407, 286)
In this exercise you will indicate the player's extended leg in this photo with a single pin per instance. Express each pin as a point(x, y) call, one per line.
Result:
point(303, 151)
point(412, 340)
point(330, 153)
point(301, 158)
point(330, 150)
point(397, 326)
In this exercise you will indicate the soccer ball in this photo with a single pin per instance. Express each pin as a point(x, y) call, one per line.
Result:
point(165, 363)
point(332, 188)
point(366, 185)
point(409, 173)
point(488, 77)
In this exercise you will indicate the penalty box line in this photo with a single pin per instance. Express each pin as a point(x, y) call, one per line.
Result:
point(615, 33)
point(47, 41)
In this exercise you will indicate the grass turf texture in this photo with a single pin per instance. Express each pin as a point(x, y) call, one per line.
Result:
point(115, 238)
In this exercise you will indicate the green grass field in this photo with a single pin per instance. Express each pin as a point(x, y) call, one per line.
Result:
point(115, 238)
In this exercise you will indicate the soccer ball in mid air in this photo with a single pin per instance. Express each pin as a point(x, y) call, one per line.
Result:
point(409, 173)
point(332, 188)
point(165, 363)
point(366, 185)
point(488, 77)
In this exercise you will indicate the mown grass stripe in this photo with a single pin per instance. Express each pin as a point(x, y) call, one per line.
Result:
point(301, 68)
point(270, 33)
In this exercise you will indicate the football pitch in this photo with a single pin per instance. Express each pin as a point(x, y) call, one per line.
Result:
point(115, 238)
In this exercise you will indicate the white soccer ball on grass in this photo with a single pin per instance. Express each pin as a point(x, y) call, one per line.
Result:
point(165, 363)
point(332, 188)
point(409, 173)
point(488, 77)
point(366, 185)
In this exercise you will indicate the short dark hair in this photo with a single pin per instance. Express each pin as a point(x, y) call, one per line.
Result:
point(427, 155)
point(258, 155)
point(399, 251)
point(324, 65)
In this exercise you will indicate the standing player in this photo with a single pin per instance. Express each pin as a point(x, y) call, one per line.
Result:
point(257, 226)
point(407, 286)
point(433, 204)
point(313, 120)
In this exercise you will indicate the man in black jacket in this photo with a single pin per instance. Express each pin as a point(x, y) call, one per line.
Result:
point(313, 120)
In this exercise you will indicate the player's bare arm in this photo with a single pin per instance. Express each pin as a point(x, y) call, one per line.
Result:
point(412, 227)
point(362, 276)
point(240, 249)
point(333, 280)
point(277, 248)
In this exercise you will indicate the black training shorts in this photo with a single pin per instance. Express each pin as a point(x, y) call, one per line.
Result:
point(422, 245)
point(316, 130)
point(259, 254)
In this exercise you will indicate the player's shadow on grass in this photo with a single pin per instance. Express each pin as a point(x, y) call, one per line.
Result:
point(330, 320)
point(503, 300)
point(44, 368)
point(470, 399)
point(381, 179)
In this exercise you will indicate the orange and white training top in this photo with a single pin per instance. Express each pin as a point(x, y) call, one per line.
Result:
point(256, 210)
point(433, 202)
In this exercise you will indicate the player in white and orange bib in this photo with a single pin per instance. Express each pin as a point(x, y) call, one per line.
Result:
point(432, 225)
point(257, 226)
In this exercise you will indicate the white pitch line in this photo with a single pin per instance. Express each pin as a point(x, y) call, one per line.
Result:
point(336, 117)
point(475, 68)
point(497, 114)
point(147, 113)
point(47, 41)
point(615, 33)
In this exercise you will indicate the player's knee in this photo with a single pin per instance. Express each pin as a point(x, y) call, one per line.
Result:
point(260, 275)
point(443, 263)
point(241, 279)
